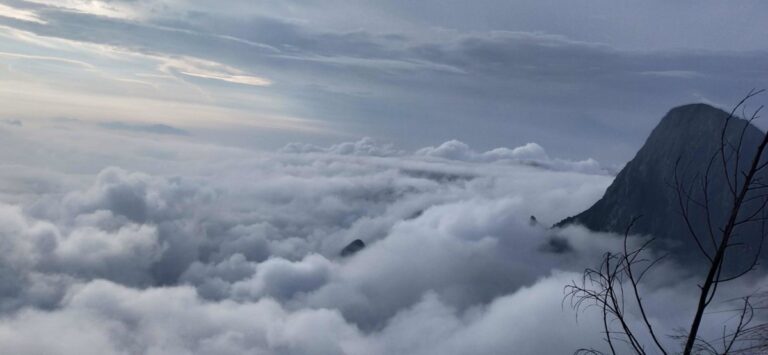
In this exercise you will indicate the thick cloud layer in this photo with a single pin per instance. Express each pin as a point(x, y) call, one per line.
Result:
point(190, 248)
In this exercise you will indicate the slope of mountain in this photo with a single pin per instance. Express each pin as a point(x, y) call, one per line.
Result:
point(645, 186)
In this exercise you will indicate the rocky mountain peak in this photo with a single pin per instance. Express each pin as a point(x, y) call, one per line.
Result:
point(644, 187)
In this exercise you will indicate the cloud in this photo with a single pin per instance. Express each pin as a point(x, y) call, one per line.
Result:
point(17, 123)
point(365, 146)
point(530, 154)
point(282, 279)
point(150, 128)
point(211, 70)
point(19, 14)
point(174, 320)
point(197, 248)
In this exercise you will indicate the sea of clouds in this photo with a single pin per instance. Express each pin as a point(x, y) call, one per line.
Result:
point(126, 242)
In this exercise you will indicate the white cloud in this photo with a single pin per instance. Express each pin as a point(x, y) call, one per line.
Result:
point(19, 14)
point(530, 154)
point(215, 250)
point(366, 146)
point(212, 70)
point(125, 255)
point(114, 9)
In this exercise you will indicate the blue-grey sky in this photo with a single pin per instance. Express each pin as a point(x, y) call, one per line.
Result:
point(581, 78)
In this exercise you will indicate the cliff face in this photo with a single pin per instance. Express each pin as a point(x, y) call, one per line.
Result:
point(645, 186)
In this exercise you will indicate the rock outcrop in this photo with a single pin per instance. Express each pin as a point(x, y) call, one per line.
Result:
point(352, 248)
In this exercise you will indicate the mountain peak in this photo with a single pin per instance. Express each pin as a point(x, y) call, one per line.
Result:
point(644, 187)
point(696, 108)
point(704, 116)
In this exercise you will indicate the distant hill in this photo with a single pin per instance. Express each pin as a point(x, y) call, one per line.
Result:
point(644, 187)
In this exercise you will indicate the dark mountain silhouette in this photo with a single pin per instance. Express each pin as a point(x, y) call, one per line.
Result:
point(645, 186)
point(352, 248)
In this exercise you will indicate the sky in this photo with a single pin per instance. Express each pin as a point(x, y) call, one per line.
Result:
point(575, 77)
